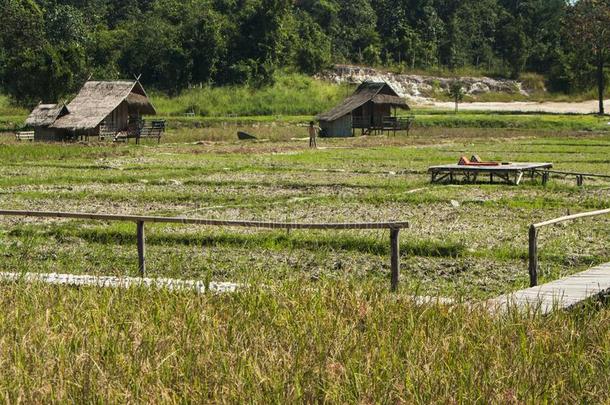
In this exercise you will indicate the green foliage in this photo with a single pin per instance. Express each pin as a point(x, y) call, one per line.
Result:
point(312, 52)
point(7, 109)
point(50, 47)
point(588, 31)
point(456, 92)
point(41, 62)
point(473, 119)
point(291, 94)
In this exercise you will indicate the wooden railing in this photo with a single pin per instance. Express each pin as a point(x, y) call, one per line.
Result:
point(394, 228)
point(385, 122)
point(533, 239)
point(580, 177)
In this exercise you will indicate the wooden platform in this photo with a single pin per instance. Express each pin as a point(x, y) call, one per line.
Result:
point(559, 294)
point(510, 173)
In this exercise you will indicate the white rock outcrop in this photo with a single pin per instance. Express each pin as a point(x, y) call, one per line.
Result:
point(416, 87)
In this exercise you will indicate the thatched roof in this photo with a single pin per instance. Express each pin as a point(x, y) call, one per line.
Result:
point(96, 100)
point(44, 115)
point(367, 91)
point(392, 100)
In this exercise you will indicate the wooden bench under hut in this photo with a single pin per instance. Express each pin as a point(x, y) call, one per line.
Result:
point(102, 109)
point(371, 109)
point(24, 136)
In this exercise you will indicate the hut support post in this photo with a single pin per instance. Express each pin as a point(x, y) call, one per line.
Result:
point(533, 256)
point(141, 248)
point(394, 257)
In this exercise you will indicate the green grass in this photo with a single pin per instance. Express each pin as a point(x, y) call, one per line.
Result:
point(575, 122)
point(270, 127)
point(291, 94)
point(317, 322)
point(8, 109)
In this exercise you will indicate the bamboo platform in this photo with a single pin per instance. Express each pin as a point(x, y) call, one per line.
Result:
point(559, 294)
point(509, 173)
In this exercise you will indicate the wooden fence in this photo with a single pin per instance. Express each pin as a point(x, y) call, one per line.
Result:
point(580, 177)
point(394, 228)
point(533, 239)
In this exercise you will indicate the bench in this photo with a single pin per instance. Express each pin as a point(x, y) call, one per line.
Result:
point(154, 129)
point(393, 124)
point(24, 136)
point(405, 123)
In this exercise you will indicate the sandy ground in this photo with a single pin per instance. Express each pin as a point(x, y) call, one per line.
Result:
point(585, 107)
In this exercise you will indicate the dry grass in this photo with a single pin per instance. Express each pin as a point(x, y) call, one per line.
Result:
point(338, 342)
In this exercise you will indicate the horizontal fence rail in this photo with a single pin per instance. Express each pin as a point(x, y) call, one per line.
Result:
point(602, 176)
point(140, 220)
point(533, 239)
point(580, 177)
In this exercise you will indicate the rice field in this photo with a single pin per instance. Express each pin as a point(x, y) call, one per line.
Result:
point(316, 322)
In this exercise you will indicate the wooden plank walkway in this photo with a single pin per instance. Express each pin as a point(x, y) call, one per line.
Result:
point(120, 282)
point(559, 294)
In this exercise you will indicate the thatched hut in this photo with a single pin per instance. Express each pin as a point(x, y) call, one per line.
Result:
point(43, 116)
point(101, 108)
point(369, 109)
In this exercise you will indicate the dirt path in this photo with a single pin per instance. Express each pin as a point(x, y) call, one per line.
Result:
point(585, 107)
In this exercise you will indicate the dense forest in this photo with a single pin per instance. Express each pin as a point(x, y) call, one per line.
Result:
point(49, 47)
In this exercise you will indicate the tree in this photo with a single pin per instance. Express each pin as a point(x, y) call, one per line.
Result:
point(34, 67)
point(356, 31)
point(48, 47)
point(311, 46)
point(153, 48)
point(513, 43)
point(204, 43)
point(256, 40)
point(456, 91)
point(588, 28)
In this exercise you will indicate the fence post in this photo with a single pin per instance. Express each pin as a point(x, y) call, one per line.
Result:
point(533, 256)
point(395, 257)
point(141, 248)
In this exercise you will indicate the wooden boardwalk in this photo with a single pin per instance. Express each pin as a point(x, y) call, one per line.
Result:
point(120, 282)
point(559, 294)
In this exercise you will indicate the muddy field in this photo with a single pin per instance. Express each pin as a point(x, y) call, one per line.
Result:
point(465, 240)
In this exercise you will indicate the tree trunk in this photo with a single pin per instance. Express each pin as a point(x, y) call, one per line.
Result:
point(600, 82)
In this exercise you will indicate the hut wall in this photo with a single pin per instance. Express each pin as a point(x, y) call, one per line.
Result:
point(365, 111)
point(48, 134)
point(338, 128)
point(380, 111)
point(373, 113)
point(119, 117)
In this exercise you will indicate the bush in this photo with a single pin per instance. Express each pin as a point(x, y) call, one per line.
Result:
point(291, 94)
